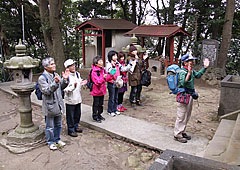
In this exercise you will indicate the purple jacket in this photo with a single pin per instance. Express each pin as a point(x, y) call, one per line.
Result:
point(99, 87)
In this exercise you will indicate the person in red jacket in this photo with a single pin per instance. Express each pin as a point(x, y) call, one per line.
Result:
point(99, 88)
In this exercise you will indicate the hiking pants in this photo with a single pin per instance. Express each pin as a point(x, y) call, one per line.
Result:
point(183, 116)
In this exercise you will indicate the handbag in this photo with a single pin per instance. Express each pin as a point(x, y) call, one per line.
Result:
point(183, 98)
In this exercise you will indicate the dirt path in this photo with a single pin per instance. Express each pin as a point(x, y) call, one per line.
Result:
point(90, 150)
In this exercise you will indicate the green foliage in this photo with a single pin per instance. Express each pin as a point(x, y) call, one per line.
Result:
point(233, 63)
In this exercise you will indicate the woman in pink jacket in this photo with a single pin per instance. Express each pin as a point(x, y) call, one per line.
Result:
point(99, 89)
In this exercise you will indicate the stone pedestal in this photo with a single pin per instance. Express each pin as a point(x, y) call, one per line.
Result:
point(26, 136)
point(229, 97)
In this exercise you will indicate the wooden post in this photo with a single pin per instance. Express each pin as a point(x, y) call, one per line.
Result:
point(83, 47)
point(103, 47)
point(171, 39)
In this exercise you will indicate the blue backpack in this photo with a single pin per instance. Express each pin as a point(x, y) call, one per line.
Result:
point(172, 78)
point(37, 89)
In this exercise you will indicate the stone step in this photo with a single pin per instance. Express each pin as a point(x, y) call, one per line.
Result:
point(233, 150)
point(217, 147)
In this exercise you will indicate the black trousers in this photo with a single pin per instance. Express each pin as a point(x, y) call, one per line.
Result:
point(120, 98)
point(97, 107)
point(135, 93)
point(73, 115)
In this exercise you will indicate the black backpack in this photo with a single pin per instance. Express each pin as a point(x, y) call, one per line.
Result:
point(90, 82)
point(146, 78)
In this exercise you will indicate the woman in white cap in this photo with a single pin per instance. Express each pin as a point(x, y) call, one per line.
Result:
point(73, 99)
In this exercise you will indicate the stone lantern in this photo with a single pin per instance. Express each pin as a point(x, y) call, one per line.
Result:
point(134, 42)
point(26, 133)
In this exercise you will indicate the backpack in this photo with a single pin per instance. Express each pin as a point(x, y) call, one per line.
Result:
point(90, 82)
point(172, 78)
point(146, 78)
point(37, 89)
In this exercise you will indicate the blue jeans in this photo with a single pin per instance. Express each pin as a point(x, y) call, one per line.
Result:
point(53, 129)
point(113, 98)
point(73, 115)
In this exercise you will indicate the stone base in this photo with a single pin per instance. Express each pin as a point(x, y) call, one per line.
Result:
point(20, 143)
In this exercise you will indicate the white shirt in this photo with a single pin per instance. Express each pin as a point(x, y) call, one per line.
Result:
point(72, 95)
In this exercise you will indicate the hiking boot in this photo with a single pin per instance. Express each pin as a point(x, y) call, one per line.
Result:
point(112, 114)
point(73, 134)
point(180, 139)
point(78, 130)
point(101, 118)
point(184, 135)
point(124, 108)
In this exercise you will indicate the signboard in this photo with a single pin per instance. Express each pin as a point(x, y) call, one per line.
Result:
point(210, 51)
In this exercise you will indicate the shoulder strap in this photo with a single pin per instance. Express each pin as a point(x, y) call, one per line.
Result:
point(77, 74)
point(45, 77)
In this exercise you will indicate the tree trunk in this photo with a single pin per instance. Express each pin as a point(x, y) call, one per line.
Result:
point(183, 26)
point(50, 16)
point(215, 26)
point(134, 11)
point(58, 48)
point(226, 34)
point(125, 9)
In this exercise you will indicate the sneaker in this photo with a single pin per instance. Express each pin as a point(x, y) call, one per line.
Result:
point(53, 146)
point(120, 110)
point(124, 108)
point(112, 114)
point(184, 135)
point(73, 134)
point(117, 113)
point(180, 139)
point(61, 143)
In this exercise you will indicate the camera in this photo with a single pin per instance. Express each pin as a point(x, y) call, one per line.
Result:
point(195, 96)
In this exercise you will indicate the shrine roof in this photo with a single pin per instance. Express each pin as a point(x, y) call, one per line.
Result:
point(107, 24)
point(157, 31)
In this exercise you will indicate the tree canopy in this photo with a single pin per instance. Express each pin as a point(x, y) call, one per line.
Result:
point(202, 19)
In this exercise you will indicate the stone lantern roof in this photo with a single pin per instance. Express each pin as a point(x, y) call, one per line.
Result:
point(134, 42)
point(20, 61)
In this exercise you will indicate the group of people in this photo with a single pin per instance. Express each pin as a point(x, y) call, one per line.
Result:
point(52, 87)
